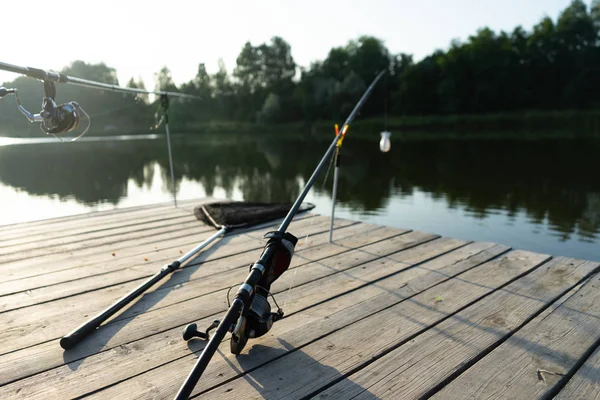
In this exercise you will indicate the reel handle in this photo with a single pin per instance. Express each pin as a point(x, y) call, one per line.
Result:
point(191, 331)
point(4, 91)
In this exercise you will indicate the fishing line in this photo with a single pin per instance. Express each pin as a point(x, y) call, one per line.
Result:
point(250, 314)
point(305, 241)
point(115, 110)
point(387, 92)
point(85, 130)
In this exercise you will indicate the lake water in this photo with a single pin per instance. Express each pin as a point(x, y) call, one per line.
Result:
point(539, 196)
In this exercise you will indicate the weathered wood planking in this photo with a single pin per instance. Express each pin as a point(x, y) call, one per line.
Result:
point(174, 313)
point(49, 239)
point(585, 384)
point(122, 369)
point(50, 319)
point(22, 268)
point(118, 241)
point(96, 219)
point(330, 358)
point(144, 253)
point(43, 288)
point(140, 249)
point(73, 243)
point(322, 319)
point(416, 368)
point(536, 358)
point(380, 313)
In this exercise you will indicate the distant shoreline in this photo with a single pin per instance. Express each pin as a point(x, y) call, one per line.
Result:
point(526, 125)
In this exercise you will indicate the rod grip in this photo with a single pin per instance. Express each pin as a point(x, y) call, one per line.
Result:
point(78, 334)
point(211, 348)
point(83, 330)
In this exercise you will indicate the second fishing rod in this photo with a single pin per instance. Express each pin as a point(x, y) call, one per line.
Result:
point(249, 314)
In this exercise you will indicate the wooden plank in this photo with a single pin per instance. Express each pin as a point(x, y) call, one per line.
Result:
point(75, 246)
point(79, 267)
point(45, 241)
point(91, 214)
point(99, 218)
point(419, 367)
point(151, 243)
point(121, 331)
point(38, 255)
point(124, 364)
point(322, 323)
point(104, 230)
point(309, 369)
point(585, 384)
point(122, 270)
point(38, 238)
point(133, 266)
point(553, 342)
point(117, 273)
point(50, 320)
point(22, 263)
point(9, 240)
point(86, 226)
point(103, 253)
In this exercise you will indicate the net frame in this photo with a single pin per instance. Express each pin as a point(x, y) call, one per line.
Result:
point(240, 214)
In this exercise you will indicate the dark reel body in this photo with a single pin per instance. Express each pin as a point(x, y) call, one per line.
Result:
point(57, 119)
point(54, 119)
point(256, 323)
point(256, 318)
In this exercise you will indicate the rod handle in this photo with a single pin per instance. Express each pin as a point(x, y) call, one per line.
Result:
point(78, 334)
point(83, 330)
point(209, 351)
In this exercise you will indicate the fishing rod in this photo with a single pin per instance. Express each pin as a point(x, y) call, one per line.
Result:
point(56, 119)
point(384, 147)
point(226, 217)
point(57, 77)
point(249, 314)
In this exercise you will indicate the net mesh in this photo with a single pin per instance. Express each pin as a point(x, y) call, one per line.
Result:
point(241, 213)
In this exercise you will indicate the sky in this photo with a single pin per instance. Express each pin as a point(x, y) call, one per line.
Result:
point(139, 37)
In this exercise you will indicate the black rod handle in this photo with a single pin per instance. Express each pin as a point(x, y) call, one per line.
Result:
point(242, 297)
point(83, 330)
point(209, 351)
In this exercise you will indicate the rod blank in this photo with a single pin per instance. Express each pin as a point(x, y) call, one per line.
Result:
point(57, 77)
point(288, 219)
point(82, 331)
point(249, 285)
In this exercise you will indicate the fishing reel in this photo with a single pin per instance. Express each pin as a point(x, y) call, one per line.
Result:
point(54, 119)
point(256, 318)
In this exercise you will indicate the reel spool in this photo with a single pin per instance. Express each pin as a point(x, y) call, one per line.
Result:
point(256, 319)
point(54, 119)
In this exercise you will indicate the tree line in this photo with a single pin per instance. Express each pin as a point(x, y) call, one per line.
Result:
point(554, 66)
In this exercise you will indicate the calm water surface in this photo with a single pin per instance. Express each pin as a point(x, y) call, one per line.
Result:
point(539, 196)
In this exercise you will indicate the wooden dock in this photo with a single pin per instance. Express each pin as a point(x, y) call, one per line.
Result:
point(381, 313)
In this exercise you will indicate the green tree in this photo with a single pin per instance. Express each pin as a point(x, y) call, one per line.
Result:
point(595, 14)
point(164, 80)
point(263, 69)
point(223, 93)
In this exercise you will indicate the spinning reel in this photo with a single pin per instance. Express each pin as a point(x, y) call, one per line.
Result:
point(54, 119)
point(256, 318)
